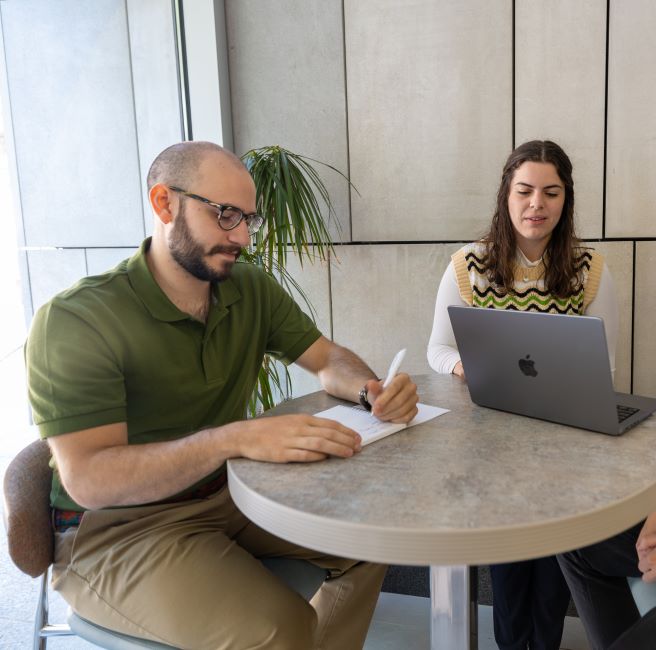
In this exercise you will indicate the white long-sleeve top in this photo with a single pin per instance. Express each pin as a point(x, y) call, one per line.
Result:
point(442, 352)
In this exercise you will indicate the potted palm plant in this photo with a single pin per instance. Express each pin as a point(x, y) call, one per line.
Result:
point(290, 196)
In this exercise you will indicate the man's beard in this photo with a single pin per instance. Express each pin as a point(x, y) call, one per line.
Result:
point(189, 254)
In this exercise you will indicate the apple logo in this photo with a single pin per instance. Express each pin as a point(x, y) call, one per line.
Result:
point(527, 366)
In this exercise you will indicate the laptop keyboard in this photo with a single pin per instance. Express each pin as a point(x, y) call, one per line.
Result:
point(624, 412)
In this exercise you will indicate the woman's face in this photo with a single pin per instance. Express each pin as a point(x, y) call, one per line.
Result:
point(535, 203)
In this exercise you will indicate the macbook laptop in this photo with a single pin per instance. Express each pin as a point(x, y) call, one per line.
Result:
point(547, 366)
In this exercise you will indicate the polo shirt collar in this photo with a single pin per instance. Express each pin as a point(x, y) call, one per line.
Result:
point(157, 302)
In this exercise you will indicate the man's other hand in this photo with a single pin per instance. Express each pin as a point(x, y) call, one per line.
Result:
point(294, 438)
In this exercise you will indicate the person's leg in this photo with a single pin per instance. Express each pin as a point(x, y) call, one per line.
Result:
point(640, 636)
point(596, 576)
point(511, 604)
point(549, 601)
point(175, 575)
point(344, 604)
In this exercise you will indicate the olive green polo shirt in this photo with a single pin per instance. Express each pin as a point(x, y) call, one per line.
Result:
point(114, 348)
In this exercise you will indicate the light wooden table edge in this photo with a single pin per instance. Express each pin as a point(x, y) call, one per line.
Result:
point(419, 547)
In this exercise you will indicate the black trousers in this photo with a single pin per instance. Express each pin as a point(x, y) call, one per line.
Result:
point(597, 576)
point(640, 636)
point(530, 600)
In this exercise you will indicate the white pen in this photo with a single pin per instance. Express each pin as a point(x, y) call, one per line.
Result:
point(394, 368)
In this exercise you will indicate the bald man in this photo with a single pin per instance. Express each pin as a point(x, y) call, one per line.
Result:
point(139, 379)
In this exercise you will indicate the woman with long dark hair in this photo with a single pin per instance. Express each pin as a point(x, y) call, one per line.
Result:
point(529, 260)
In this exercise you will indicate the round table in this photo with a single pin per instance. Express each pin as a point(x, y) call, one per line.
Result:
point(473, 486)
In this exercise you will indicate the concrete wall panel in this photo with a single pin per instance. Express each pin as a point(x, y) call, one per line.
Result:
point(631, 166)
point(644, 352)
point(384, 298)
point(100, 260)
point(287, 79)
point(430, 115)
point(52, 271)
point(207, 71)
point(419, 93)
point(314, 281)
point(554, 101)
point(157, 105)
point(619, 259)
point(61, 59)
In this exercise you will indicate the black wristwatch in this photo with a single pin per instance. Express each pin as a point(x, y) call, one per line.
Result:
point(364, 402)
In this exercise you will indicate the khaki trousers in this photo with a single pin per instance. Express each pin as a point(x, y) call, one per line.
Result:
point(186, 574)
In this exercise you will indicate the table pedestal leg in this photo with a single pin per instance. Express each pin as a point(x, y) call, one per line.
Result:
point(454, 614)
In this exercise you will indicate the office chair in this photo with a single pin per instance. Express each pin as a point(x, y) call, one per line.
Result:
point(30, 538)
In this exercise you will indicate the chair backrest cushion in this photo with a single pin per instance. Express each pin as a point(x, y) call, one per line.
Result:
point(30, 536)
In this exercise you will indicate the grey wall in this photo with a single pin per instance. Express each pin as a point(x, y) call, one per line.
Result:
point(91, 96)
point(421, 103)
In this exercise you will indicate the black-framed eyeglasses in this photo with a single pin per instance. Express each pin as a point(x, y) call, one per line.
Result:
point(228, 216)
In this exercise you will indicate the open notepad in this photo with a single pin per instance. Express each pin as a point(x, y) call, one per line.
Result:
point(370, 427)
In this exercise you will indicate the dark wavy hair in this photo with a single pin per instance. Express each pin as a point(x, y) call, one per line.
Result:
point(562, 275)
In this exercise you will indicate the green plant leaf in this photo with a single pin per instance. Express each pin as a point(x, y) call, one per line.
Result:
point(290, 195)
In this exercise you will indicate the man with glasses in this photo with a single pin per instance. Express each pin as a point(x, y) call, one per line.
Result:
point(139, 378)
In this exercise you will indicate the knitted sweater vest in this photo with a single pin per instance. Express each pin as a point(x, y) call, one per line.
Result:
point(529, 293)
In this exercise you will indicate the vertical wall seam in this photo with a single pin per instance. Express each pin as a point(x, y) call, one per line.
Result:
point(348, 137)
point(513, 89)
point(633, 312)
point(226, 46)
point(176, 41)
point(330, 295)
point(18, 203)
point(136, 122)
point(183, 76)
point(605, 161)
point(29, 281)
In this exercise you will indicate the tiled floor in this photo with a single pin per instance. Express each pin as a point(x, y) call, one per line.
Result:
point(403, 622)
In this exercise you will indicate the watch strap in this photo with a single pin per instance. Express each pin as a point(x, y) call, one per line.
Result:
point(363, 399)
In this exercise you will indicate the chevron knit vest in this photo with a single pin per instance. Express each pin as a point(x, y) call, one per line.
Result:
point(529, 293)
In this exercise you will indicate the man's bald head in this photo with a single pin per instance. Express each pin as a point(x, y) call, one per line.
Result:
point(180, 163)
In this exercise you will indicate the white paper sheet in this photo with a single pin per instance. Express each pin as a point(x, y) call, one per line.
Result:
point(371, 428)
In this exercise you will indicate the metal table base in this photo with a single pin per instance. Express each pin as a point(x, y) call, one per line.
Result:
point(454, 607)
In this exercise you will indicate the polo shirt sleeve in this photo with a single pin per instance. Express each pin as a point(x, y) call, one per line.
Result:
point(291, 331)
point(75, 380)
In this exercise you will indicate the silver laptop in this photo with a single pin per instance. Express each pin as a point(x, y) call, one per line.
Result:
point(545, 366)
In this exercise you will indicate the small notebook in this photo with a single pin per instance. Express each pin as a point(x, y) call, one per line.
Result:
point(370, 427)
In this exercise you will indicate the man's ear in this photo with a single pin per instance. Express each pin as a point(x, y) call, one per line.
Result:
point(160, 201)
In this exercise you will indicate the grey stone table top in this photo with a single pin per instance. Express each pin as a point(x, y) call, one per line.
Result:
point(473, 486)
